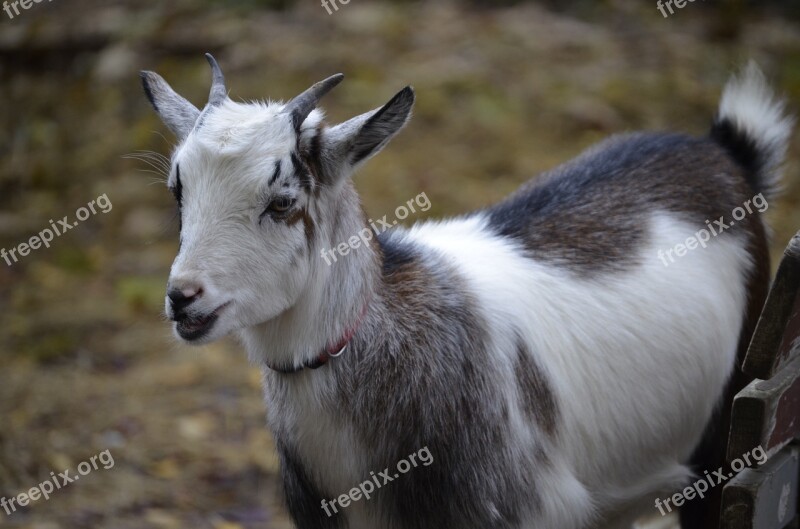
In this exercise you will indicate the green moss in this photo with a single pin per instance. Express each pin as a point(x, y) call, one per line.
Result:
point(141, 293)
point(50, 346)
point(72, 258)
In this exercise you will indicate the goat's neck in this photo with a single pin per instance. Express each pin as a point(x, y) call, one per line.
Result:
point(332, 302)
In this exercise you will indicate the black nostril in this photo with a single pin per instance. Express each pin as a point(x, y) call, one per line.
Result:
point(180, 300)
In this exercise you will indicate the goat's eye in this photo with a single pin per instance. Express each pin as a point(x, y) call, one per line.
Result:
point(281, 205)
point(278, 207)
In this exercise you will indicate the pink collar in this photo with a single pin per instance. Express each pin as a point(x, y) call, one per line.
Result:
point(333, 351)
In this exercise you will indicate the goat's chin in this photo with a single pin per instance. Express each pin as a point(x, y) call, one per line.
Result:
point(201, 330)
point(196, 341)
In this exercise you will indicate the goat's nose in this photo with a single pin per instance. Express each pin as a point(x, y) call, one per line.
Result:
point(181, 298)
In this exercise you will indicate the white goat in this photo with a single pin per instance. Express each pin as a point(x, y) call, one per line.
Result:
point(558, 372)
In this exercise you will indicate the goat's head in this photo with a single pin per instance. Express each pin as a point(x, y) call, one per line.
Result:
point(254, 182)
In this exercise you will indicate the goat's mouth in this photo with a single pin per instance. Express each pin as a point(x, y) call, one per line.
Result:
point(197, 326)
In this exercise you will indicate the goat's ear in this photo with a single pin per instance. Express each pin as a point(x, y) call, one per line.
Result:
point(176, 112)
point(356, 140)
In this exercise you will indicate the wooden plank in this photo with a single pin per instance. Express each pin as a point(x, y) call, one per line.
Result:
point(765, 497)
point(767, 413)
point(776, 340)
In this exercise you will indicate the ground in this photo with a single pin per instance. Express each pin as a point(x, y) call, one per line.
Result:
point(88, 362)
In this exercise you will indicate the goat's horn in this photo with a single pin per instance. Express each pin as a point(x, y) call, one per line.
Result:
point(301, 106)
point(218, 91)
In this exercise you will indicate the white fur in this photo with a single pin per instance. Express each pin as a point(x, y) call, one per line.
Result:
point(750, 104)
point(637, 370)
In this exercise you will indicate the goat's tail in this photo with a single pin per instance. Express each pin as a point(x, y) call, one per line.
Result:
point(752, 125)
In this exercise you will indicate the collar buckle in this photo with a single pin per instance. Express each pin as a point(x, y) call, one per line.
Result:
point(323, 358)
point(340, 353)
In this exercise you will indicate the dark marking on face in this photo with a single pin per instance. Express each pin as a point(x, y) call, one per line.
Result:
point(301, 214)
point(313, 158)
point(177, 189)
point(177, 192)
point(536, 396)
point(276, 173)
point(310, 156)
point(302, 172)
point(308, 227)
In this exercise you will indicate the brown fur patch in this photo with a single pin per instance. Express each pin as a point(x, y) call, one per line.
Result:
point(419, 375)
point(536, 396)
point(589, 215)
point(308, 224)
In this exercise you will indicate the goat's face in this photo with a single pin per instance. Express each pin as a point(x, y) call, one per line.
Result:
point(249, 181)
point(246, 230)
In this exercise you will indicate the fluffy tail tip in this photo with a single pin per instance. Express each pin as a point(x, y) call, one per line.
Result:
point(752, 124)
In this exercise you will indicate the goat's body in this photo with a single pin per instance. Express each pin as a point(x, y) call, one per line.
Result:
point(508, 376)
point(556, 354)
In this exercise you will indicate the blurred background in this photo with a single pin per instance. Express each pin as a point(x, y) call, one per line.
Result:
point(505, 90)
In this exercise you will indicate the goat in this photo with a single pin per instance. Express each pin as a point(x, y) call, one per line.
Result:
point(558, 372)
